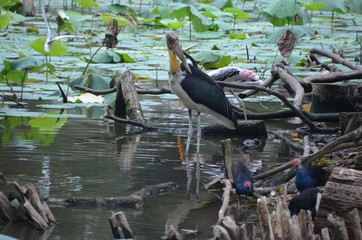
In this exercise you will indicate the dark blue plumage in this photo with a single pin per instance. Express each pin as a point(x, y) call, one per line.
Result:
point(309, 177)
point(202, 89)
point(244, 183)
point(306, 200)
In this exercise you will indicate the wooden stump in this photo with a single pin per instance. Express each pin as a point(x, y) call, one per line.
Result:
point(342, 193)
point(327, 97)
point(127, 103)
point(28, 8)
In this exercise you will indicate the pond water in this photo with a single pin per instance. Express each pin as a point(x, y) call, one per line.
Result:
point(91, 157)
point(69, 150)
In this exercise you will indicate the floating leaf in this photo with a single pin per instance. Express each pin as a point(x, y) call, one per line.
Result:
point(238, 14)
point(93, 81)
point(86, 3)
point(110, 99)
point(26, 62)
point(282, 9)
point(238, 36)
point(334, 5)
point(223, 25)
point(174, 24)
point(58, 48)
point(211, 59)
point(222, 4)
point(76, 16)
point(199, 22)
point(355, 6)
point(120, 20)
point(315, 6)
point(112, 57)
point(5, 17)
point(298, 30)
point(8, 3)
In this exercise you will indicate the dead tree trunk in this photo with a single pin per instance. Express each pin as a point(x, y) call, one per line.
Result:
point(327, 98)
point(127, 103)
point(343, 192)
point(28, 8)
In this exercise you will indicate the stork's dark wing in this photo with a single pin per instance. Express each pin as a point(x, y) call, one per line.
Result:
point(204, 90)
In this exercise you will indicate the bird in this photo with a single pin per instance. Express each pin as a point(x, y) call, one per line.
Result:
point(306, 200)
point(3, 177)
point(236, 75)
point(49, 40)
point(244, 182)
point(196, 90)
point(309, 177)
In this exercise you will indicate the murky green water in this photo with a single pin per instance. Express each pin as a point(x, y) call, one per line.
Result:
point(91, 157)
point(76, 153)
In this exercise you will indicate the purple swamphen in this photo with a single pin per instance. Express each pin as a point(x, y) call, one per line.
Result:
point(244, 183)
point(309, 177)
point(306, 200)
point(2, 176)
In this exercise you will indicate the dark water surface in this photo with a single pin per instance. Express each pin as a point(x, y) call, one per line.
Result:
point(90, 157)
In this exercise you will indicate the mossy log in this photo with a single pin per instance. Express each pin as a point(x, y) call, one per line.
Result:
point(342, 193)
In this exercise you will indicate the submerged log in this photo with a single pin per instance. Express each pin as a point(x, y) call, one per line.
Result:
point(342, 193)
point(327, 98)
point(244, 128)
point(134, 200)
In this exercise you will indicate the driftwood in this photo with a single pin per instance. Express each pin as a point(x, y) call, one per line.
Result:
point(265, 219)
point(342, 193)
point(335, 58)
point(134, 200)
point(118, 220)
point(292, 82)
point(171, 233)
point(351, 139)
point(29, 207)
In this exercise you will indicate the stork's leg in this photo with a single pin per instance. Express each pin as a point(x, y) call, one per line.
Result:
point(241, 103)
point(189, 134)
point(198, 131)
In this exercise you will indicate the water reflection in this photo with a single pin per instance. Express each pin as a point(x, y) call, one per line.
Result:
point(95, 158)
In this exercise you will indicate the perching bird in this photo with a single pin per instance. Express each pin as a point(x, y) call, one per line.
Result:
point(309, 177)
point(49, 40)
point(306, 200)
point(196, 89)
point(244, 183)
point(236, 75)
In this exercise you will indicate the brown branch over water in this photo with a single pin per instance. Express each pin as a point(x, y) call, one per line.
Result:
point(336, 58)
point(332, 77)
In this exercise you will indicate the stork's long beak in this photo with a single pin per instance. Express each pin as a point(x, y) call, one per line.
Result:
point(173, 44)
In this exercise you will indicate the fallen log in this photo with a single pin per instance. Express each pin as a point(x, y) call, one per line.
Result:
point(134, 200)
